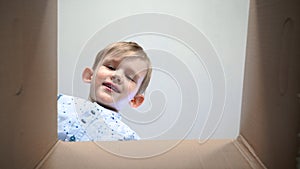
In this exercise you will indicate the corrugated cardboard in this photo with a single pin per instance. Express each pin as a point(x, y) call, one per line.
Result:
point(187, 154)
point(270, 110)
point(28, 81)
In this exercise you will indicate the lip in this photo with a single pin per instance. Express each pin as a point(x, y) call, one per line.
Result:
point(111, 87)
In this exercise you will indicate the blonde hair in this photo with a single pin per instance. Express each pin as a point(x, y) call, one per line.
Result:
point(126, 49)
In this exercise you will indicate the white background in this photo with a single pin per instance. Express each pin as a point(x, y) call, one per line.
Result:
point(223, 23)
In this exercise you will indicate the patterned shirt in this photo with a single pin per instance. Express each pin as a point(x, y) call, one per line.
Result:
point(82, 120)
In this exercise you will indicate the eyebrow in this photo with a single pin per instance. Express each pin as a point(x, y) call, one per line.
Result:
point(110, 60)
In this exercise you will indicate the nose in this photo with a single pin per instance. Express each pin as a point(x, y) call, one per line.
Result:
point(116, 78)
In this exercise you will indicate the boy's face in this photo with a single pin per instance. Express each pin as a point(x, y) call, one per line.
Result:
point(117, 80)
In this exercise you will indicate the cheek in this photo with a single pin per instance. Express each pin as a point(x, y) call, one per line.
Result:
point(130, 87)
point(101, 74)
point(134, 87)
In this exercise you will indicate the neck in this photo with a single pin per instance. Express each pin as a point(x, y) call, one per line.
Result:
point(108, 107)
point(103, 105)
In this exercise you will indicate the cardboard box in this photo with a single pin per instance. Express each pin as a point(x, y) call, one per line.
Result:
point(270, 110)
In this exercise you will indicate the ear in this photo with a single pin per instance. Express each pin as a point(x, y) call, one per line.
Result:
point(137, 100)
point(87, 75)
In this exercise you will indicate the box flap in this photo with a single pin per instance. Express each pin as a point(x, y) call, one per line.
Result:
point(185, 154)
point(28, 81)
point(270, 111)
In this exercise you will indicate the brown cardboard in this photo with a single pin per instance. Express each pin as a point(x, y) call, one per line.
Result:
point(270, 110)
point(187, 154)
point(28, 81)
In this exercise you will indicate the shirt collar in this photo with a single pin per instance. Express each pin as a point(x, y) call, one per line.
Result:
point(107, 111)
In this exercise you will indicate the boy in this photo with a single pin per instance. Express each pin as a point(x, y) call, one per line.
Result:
point(119, 76)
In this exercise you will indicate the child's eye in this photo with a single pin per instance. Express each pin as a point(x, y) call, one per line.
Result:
point(110, 67)
point(130, 78)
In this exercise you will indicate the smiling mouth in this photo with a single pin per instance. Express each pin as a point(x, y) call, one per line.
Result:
point(111, 87)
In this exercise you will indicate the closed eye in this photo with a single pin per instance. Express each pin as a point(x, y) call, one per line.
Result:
point(130, 78)
point(110, 67)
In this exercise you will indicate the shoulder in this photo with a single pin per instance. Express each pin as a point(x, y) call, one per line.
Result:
point(69, 105)
point(62, 98)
